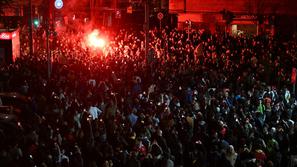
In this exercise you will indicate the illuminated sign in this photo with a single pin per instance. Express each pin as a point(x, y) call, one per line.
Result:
point(5, 36)
point(58, 4)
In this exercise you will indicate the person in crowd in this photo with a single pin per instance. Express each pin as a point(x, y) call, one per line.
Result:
point(211, 100)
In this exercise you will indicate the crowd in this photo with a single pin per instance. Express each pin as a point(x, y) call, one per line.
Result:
point(209, 100)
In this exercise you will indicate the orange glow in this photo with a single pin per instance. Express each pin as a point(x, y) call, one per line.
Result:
point(93, 40)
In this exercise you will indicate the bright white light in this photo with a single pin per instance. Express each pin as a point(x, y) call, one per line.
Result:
point(93, 40)
point(59, 4)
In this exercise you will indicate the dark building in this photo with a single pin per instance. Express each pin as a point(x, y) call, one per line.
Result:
point(241, 16)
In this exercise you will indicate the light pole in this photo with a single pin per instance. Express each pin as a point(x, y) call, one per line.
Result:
point(58, 5)
point(48, 52)
point(30, 28)
point(146, 27)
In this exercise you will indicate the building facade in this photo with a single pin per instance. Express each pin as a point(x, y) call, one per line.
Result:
point(241, 16)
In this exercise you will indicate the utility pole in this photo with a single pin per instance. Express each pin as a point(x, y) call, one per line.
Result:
point(48, 52)
point(146, 28)
point(47, 26)
point(30, 28)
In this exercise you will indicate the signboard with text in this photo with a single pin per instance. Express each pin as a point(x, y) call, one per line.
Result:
point(59, 4)
point(5, 36)
point(9, 46)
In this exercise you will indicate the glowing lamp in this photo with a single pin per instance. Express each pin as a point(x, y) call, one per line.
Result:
point(59, 4)
point(36, 22)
